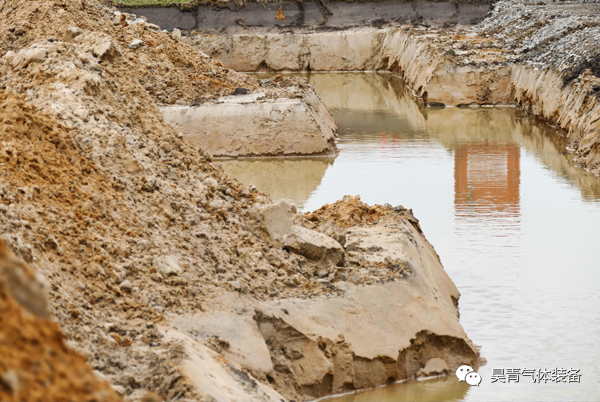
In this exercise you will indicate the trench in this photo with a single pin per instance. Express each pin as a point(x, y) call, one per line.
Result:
point(512, 218)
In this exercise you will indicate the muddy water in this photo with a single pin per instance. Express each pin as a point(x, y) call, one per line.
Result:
point(515, 223)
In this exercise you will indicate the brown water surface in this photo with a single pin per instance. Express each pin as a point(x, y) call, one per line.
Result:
point(516, 224)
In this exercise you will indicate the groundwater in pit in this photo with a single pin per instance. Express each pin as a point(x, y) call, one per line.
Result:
point(514, 222)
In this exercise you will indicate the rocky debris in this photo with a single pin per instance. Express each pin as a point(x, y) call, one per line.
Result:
point(542, 34)
point(126, 286)
point(72, 33)
point(350, 211)
point(168, 265)
point(330, 229)
point(27, 335)
point(435, 366)
point(176, 34)
point(137, 43)
point(314, 245)
point(272, 222)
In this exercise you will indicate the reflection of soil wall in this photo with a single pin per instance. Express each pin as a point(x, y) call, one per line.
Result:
point(349, 94)
point(367, 92)
point(376, 103)
point(452, 126)
point(550, 149)
point(445, 389)
point(294, 181)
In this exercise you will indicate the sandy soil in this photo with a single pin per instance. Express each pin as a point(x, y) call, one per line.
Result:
point(36, 363)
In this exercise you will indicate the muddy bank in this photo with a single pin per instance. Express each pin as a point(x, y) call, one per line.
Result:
point(392, 314)
point(135, 230)
point(308, 173)
point(259, 124)
point(419, 56)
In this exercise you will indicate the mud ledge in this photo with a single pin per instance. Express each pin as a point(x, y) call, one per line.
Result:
point(391, 313)
point(253, 125)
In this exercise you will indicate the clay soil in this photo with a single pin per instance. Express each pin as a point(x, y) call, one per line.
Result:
point(36, 363)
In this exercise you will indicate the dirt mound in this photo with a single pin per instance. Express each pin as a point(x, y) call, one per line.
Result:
point(348, 212)
point(127, 222)
point(36, 363)
point(170, 70)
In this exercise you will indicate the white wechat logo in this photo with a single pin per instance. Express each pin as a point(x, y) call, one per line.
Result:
point(466, 373)
point(462, 372)
point(473, 379)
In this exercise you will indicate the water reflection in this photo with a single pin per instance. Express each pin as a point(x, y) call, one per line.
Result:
point(486, 180)
point(292, 179)
point(445, 389)
point(514, 222)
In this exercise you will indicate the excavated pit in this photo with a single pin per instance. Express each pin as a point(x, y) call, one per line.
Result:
point(442, 55)
point(152, 235)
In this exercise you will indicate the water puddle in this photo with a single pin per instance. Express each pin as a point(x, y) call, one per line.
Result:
point(515, 223)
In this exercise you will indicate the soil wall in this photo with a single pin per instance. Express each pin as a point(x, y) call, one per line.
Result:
point(328, 15)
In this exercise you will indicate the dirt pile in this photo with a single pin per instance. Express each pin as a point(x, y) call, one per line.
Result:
point(36, 363)
point(350, 211)
point(123, 217)
point(554, 52)
point(545, 34)
point(171, 71)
